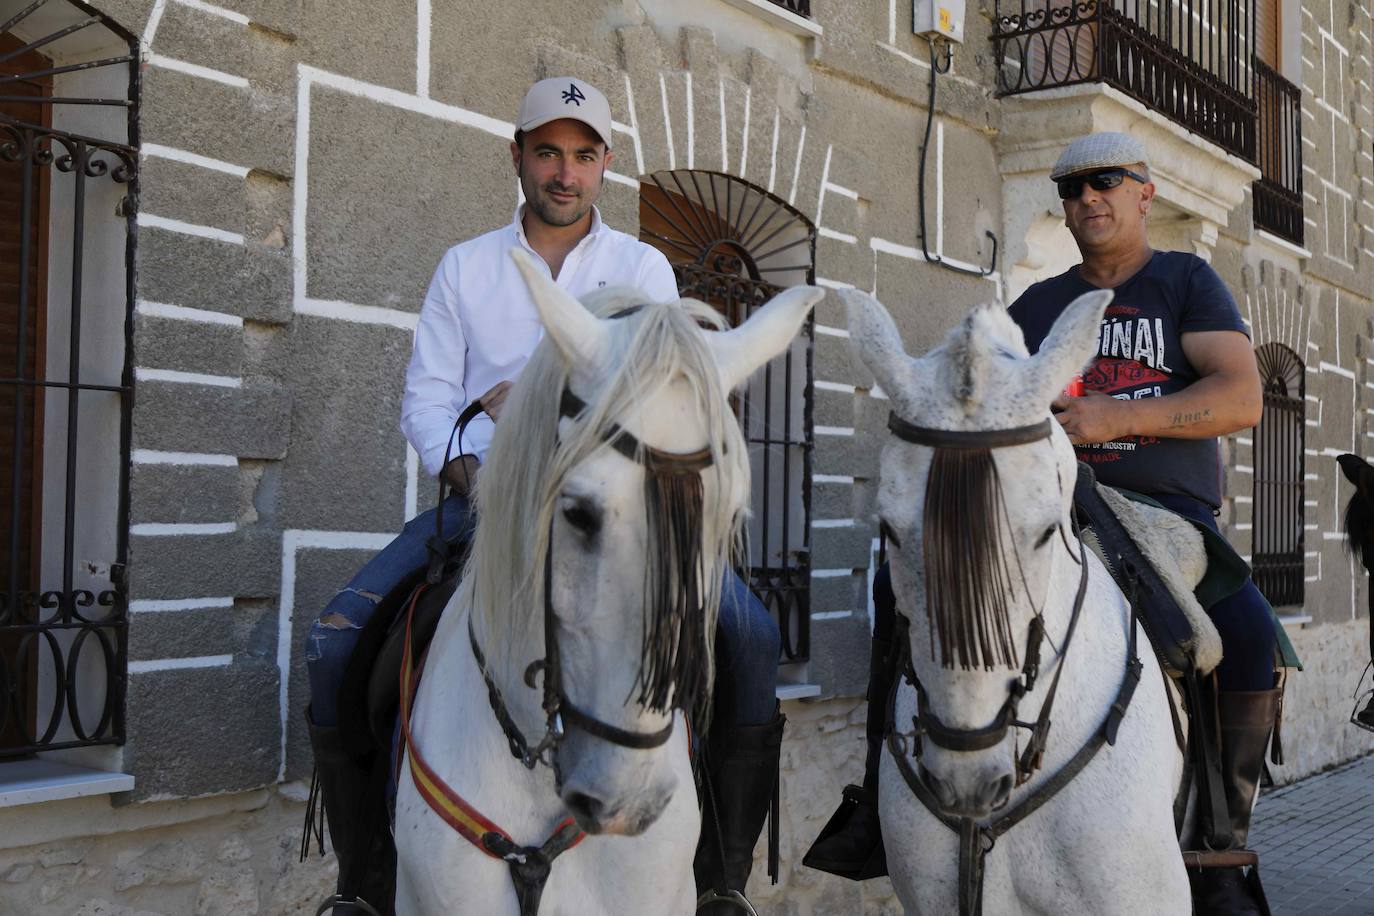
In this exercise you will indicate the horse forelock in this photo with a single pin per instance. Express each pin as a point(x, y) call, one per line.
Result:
point(529, 463)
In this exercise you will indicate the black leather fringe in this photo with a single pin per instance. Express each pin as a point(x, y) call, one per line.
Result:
point(673, 671)
point(967, 579)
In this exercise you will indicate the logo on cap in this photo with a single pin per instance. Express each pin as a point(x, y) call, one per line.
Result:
point(573, 96)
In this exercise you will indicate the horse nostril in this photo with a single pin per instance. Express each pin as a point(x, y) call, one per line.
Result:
point(586, 808)
point(997, 792)
point(943, 791)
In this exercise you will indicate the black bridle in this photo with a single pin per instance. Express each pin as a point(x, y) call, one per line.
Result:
point(558, 708)
point(976, 840)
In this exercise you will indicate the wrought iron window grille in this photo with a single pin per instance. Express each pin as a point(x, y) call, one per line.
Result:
point(1277, 552)
point(63, 617)
point(735, 246)
point(800, 7)
point(1190, 60)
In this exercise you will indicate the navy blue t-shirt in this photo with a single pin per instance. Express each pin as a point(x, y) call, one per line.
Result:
point(1140, 355)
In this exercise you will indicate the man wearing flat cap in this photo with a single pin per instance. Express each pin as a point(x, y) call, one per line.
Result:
point(1175, 369)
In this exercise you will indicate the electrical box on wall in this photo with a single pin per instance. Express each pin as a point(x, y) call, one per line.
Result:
point(938, 19)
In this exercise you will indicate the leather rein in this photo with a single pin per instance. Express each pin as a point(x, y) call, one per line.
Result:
point(977, 840)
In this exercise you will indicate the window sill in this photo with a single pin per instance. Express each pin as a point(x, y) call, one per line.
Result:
point(1284, 245)
point(783, 18)
point(797, 691)
point(26, 782)
point(1294, 620)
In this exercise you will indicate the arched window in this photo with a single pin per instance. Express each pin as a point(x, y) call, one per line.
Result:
point(1277, 554)
point(68, 170)
point(735, 246)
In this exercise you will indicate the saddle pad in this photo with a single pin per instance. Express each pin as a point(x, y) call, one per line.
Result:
point(1227, 572)
point(384, 681)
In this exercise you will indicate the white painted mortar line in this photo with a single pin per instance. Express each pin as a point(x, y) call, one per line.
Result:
point(215, 11)
point(634, 124)
point(180, 664)
point(744, 136)
point(724, 132)
point(196, 70)
point(832, 615)
point(831, 332)
point(165, 605)
point(185, 313)
point(832, 478)
point(205, 459)
point(154, 20)
point(667, 119)
point(144, 374)
point(691, 123)
point(190, 158)
point(182, 529)
point(834, 430)
point(293, 540)
point(423, 27)
point(796, 168)
point(830, 573)
point(773, 162)
point(360, 314)
point(151, 221)
point(412, 482)
point(825, 183)
point(845, 237)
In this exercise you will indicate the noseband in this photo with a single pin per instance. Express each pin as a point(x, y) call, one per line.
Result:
point(927, 725)
point(556, 705)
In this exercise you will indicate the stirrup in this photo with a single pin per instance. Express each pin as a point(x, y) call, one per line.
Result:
point(338, 900)
point(734, 898)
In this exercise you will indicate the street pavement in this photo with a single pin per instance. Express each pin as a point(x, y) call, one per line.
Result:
point(1316, 843)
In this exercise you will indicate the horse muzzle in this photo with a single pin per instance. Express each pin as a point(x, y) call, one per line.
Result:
point(971, 791)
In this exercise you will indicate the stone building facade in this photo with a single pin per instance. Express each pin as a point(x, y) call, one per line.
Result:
point(302, 165)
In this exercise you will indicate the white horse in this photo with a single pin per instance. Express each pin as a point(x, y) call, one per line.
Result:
point(974, 557)
point(612, 514)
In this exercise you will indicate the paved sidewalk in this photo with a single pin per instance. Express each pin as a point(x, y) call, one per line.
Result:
point(1316, 843)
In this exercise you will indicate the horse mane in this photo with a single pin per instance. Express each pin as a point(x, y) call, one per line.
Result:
point(528, 465)
point(967, 578)
point(1357, 523)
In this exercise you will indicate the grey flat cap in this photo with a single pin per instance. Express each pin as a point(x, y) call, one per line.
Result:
point(1107, 150)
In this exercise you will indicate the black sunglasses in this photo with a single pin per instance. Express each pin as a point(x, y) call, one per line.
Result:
point(1071, 187)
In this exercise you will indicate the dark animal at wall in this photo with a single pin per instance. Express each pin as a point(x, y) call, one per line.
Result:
point(1359, 539)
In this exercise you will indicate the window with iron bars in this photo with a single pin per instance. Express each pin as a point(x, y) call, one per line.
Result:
point(735, 246)
point(800, 7)
point(68, 188)
point(1277, 553)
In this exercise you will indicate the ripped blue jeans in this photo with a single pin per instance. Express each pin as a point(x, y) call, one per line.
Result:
point(331, 639)
point(747, 638)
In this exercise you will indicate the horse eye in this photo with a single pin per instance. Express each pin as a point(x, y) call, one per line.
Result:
point(886, 531)
point(583, 515)
point(1045, 537)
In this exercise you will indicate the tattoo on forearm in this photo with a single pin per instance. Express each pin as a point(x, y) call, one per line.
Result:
point(1179, 420)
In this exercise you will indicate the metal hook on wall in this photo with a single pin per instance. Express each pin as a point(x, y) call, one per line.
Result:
point(941, 60)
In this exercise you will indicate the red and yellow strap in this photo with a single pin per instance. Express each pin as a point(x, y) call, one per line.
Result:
point(441, 798)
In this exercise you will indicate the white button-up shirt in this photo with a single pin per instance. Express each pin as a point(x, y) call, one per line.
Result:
point(478, 325)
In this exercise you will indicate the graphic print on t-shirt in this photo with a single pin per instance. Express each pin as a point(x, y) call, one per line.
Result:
point(1132, 363)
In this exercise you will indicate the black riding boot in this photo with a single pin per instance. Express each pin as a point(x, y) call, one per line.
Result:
point(345, 785)
point(851, 843)
point(1247, 720)
point(742, 770)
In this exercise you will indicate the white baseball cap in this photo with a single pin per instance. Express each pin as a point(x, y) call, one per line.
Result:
point(565, 97)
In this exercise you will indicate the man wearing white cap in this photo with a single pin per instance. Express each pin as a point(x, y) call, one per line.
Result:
point(477, 328)
point(1175, 369)
point(1174, 372)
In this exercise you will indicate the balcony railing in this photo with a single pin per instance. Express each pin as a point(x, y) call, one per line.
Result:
point(1278, 193)
point(1188, 59)
point(800, 7)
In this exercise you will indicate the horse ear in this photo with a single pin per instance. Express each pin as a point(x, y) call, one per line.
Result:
point(578, 333)
point(1358, 472)
point(1071, 342)
point(767, 333)
point(877, 342)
